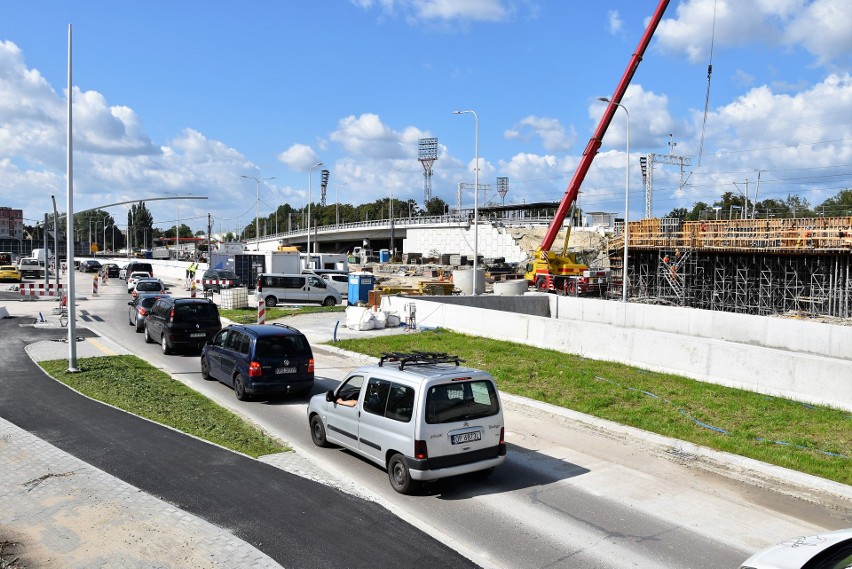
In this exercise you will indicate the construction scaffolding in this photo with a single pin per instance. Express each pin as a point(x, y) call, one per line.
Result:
point(751, 266)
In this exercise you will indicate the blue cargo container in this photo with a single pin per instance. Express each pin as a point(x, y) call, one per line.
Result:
point(360, 285)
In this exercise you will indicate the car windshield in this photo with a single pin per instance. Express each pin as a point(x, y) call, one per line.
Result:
point(272, 346)
point(461, 401)
point(205, 311)
point(228, 275)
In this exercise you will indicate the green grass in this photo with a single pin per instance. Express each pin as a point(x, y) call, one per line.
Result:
point(753, 422)
point(131, 384)
point(249, 315)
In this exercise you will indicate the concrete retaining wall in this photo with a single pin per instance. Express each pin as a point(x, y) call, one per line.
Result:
point(493, 242)
point(720, 348)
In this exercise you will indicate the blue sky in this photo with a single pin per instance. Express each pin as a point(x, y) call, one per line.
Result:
point(183, 98)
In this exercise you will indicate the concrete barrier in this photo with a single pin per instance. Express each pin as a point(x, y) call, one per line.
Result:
point(758, 355)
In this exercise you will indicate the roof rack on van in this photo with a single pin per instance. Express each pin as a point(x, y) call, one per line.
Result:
point(418, 358)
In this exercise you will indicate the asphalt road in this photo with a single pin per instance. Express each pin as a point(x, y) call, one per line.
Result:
point(569, 495)
point(297, 522)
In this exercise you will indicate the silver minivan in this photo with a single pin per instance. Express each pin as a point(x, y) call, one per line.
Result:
point(422, 416)
point(278, 288)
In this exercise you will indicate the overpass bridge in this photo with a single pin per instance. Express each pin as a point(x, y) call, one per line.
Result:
point(444, 234)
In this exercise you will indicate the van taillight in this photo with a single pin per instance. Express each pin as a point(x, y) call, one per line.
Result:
point(255, 369)
point(311, 365)
point(502, 445)
point(420, 451)
point(259, 286)
point(172, 315)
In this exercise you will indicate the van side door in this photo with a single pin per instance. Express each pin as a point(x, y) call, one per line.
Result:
point(386, 419)
point(236, 345)
point(343, 411)
point(294, 288)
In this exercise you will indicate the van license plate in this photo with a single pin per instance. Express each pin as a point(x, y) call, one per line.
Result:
point(466, 437)
point(281, 370)
point(197, 335)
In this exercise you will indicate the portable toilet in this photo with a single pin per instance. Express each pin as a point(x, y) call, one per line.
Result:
point(384, 256)
point(360, 285)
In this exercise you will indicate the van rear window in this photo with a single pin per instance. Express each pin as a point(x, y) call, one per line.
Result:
point(461, 401)
point(279, 346)
point(184, 312)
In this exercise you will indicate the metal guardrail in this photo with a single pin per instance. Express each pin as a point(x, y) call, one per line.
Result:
point(404, 222)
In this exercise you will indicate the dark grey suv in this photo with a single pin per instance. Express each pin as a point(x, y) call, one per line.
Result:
point(182, 322)
point(256, 360)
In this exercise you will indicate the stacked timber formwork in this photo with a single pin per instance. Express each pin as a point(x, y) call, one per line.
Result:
point(753, 266)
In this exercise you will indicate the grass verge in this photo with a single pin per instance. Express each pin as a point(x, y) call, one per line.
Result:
point(811, 439)
point(131, 384)
point(249, 315)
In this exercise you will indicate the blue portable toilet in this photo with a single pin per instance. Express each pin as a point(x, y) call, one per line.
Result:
point(360, 285)
point(384, 256)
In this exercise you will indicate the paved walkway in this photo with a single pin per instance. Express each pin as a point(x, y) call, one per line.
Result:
point(67, 513)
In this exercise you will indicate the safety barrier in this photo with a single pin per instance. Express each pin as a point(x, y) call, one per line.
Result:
point(218, 282)
point(38, 289)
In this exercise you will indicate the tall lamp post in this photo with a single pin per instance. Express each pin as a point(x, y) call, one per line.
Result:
point(256, 209)
point(310, 175)
point(626, 198)
point(475, 195)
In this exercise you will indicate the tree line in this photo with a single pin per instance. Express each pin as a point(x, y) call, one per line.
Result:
point(733, 206)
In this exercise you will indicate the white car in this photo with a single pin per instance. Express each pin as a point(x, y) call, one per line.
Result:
point(421, 416)
point(148, 286)
point(135, 276)
point(338, 281)
point(831, 550)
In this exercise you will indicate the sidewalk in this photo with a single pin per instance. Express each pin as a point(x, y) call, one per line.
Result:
point(65, 513)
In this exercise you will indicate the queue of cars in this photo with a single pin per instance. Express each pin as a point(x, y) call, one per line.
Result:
point(420, 416)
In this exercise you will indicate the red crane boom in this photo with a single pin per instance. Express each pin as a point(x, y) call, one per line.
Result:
point(595, 142)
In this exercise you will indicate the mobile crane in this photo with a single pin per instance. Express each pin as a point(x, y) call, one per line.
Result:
point(561, 273)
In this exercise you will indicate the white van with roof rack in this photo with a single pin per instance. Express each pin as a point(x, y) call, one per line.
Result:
point(420, 415)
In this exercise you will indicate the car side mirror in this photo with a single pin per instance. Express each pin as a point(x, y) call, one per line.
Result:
point(329, 396)
point(130, 303)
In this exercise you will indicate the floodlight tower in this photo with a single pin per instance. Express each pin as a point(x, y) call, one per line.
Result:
point(502, 188)
point(428, 148)
point(323, 186)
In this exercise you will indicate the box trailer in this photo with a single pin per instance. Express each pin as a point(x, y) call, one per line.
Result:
point(248, 264)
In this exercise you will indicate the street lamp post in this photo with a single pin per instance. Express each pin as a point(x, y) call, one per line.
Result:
point(257, 208)
point(626, 198)
point(310, 175)
point(475, 195)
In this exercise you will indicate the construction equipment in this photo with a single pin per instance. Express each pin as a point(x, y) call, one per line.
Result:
point(562, 273)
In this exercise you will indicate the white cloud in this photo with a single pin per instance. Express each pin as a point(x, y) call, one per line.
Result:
point(299, 157)
point(367, 136)
point(552, 133)
point(444, 11)
point(650, 119)
point(823, 28)
point(614, 22)
point(820, 26)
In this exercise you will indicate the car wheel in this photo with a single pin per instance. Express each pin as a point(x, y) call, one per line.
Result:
point(318, 432)
point(270, 301)
point(329, 301)
point(240, 388)
point(148, 338)
point(205, 370)
point(167, 349)
point(400, 477)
